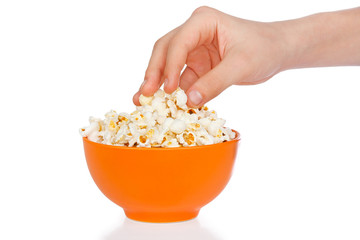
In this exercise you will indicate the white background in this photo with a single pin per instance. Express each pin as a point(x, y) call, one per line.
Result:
point(297, 171)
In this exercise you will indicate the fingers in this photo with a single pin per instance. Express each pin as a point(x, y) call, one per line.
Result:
point(156, 65)
point(195, 32)
point(188, 77)
point(171, 51)
point(136, 98)
point(214, 82)
point(154, 72)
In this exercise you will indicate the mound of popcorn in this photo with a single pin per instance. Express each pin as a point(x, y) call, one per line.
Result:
point(162, 120)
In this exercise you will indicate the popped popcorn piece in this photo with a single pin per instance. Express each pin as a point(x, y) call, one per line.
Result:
point(178, 126)
point(187, 139)
point(180, 98)
point(159, 94)
point(171, 143)
point(179, 114)
point(215, 126)
point(143, 141)
point(167, 123)
point(162, 120)
point(93, 132)
point(145, 100)
point(172, 108)
point(159, 105)
point(205, 122)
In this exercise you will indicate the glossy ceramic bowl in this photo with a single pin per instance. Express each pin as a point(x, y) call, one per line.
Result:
point(161, 184)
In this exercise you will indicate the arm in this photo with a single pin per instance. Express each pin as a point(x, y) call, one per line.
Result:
point(220, 50)
point(324, 39)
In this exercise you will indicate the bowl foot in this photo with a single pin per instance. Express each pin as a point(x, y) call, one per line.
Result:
point(161, 217)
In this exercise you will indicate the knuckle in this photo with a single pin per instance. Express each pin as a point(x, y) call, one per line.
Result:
point(181, 40)
point(156, 44)
point(201, 9)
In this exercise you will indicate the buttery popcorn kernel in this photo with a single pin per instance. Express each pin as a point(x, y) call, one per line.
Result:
point(189, 138)
point(142, 139)
point(112, 124)
point(122, 119)
point(150, 133)
point(191, 111)
point(162, 120)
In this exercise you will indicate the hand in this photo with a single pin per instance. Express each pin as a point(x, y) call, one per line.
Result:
point(219, 50)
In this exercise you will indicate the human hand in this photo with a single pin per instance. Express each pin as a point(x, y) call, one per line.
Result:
point(219, 50)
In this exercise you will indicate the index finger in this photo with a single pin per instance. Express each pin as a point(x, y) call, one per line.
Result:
point(198, 30)
point(155, 69)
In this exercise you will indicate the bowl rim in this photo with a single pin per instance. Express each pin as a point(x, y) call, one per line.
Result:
point(236, 139)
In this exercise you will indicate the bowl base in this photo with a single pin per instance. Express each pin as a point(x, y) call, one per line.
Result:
point(161, 217)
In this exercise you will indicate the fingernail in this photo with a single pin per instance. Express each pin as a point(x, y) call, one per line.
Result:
point(195, 97)
point(143, 84)
point(166, 82)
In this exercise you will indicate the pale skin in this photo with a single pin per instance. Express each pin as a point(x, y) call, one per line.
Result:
point(219, 50)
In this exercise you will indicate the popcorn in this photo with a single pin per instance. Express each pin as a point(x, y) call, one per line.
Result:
point(172, 108)
point(180, 98)
point(92, 132)
point(171, 143)
point(187, 139)
point(160, 94)
point(205, 122)
point(159, 105)
point(204, 138)
point(178, 126)
point(214, 128)
point(162, 120)
point(145, 100)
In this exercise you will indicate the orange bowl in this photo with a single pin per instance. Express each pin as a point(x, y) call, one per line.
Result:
point(161, 184)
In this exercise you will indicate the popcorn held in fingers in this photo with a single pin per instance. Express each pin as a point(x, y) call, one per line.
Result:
point(145, 100)
point(162, 120)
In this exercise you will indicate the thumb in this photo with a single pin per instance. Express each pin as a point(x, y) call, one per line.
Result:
point(213, 83)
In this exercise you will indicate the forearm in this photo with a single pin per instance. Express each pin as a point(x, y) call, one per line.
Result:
point(324, 39)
